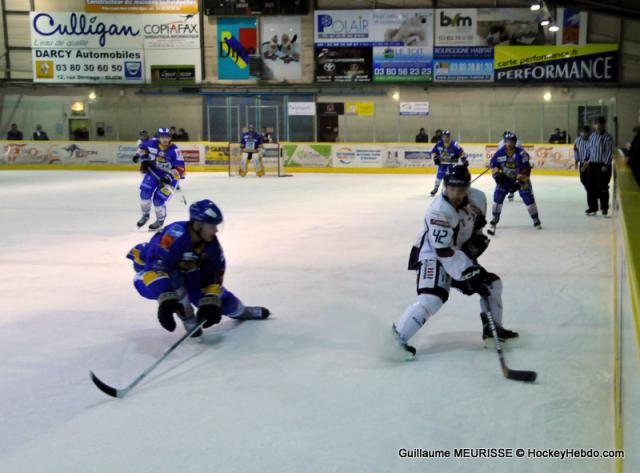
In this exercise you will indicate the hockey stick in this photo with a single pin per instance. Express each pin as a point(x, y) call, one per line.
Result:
point(120, 393)
point(171, 189)
point(515, 375)
point(479, 176)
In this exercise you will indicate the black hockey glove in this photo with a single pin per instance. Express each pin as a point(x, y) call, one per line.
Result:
point(479, 223)
point(499, 178)
point(436, 161)
point(414, 262)
point(136, 158)
point(146, 165)
point(169, 306)
point(475, 281)
point(209, 309)
point(167, 179)
point(476, 245)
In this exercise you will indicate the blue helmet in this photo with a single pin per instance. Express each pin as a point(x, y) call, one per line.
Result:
point(164, 132)
point(205, 211)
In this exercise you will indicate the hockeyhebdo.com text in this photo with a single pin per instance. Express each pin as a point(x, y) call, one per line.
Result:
point(498, 453)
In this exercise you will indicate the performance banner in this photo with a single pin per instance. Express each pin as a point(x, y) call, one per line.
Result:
point(400, 41)
point(237, 42)
point(74, 47)
point(463, 64)
point(280, 46)
point(343, 64)
point(141, 6)
point(490, 27)
point(592, 63)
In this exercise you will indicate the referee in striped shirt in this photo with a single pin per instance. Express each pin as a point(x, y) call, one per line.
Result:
point(580, 153)
point(598, 162)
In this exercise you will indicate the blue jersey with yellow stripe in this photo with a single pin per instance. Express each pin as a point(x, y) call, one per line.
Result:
point(171, 251)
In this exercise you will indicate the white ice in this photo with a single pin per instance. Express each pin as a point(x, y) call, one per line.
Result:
point(309, 390)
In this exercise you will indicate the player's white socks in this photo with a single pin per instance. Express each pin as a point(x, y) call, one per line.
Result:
point(436, 185)
point(161, 212)
point(494, 300)
point(416, 315)
point(145, 206)
point(533, 211)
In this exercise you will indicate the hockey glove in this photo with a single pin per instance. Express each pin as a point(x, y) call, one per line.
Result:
point(436, 161)
point(209, 309)
point(169, 306)
point(414, 262)
point(167, 179)
point(474, 281)
point(136, 158)
point(499, 178)
point(146, 165)
point(475, 246)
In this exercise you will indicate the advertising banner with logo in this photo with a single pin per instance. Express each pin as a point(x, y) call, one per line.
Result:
point(414, 108)
point(330, 108)
point(401, 41)
point(280, 47)
point(237, 42)
point(542, 156)
point(301, 108)
point(343, 64)
point(591, 63)
point(490, 27)
point(463, 64)
point(309, 155)
point(74, 47)
point(573, 26)
point(83, 48)
point(141, 6)
point(359, 108)
point(357, 155)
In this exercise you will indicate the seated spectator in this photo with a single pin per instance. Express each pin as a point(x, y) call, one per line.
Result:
point(14, 133)
point(557, 137)
point(422, 136)
point(266, 136)
point(81, 134)
point(437, 137)
point(174, 135)
point(182, 135)
point(40, 135)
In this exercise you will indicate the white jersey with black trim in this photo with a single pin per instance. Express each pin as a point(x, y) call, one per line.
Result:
point(446, 229)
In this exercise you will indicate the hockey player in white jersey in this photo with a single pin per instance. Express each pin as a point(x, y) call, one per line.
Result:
point(445, 255)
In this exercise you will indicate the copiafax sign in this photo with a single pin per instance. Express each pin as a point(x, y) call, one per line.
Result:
point(171, 31)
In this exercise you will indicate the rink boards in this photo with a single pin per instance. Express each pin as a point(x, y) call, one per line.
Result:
point(295, 157)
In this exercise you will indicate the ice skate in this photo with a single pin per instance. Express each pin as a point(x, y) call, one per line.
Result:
point(144, 219)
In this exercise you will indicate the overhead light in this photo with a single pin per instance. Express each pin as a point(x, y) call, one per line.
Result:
point(536, 6)
point(554, 28)
point(396, 95)
point(545, 22)
point(547, 96)
point(92, 95)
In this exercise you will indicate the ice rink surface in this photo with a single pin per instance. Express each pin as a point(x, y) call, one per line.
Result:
point(311, 389)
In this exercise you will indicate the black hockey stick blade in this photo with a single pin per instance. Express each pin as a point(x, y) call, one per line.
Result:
point(105, 388)
point(518, 375)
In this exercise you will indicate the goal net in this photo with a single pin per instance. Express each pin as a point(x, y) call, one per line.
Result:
point(271, 157)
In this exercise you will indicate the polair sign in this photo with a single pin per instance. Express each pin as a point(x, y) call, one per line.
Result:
point(350, 26)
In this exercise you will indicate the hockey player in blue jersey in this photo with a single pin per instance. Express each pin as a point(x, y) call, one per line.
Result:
point(183, 267)
point(251, 144)
point(445, 153)
point(500, 145)
point(162, 164)
point(511, 170)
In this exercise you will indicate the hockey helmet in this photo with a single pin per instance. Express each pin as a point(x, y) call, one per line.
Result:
point(446, 133)
point(457, 176)
point(205, 211)
point(164, 132)
point(510, 137)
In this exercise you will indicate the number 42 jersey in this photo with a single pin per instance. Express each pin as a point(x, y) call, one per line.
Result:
point(446, 228)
